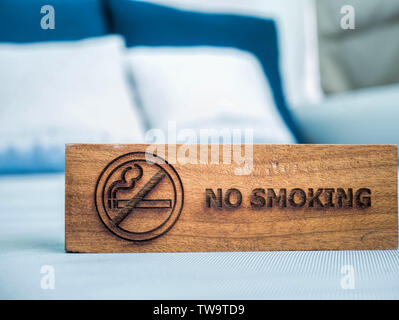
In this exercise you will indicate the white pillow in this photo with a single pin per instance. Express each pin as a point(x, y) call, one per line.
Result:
point(203, 86)
point(61, 92)
point(297, 31)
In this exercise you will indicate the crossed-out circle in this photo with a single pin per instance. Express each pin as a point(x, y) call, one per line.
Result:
point(157, 174)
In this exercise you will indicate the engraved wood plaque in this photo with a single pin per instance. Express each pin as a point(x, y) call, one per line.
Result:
point(130, 198)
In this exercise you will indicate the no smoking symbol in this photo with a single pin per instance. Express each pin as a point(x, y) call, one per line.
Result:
point(139, 199)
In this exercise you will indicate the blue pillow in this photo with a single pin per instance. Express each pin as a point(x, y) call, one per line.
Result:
point(37, 160)
point(74, 19)
point(146, 24)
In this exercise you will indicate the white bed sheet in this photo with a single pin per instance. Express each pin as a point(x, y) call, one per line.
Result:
point(32, 235)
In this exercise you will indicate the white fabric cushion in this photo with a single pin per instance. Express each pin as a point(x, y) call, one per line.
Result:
point(367, 13)
point(297, 31)
point(61, 92)
point(365, 57)
point(204, 87)
point(364, 116)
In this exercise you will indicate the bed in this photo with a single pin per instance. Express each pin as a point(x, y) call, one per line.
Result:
point(96, 76)
point(32, 236)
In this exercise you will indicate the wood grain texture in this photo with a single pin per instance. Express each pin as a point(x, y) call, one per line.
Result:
point(138, 197)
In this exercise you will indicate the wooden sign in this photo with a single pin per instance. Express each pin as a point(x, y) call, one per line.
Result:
point(142, 198)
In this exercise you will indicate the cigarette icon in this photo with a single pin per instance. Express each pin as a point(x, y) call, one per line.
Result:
point(144, 203)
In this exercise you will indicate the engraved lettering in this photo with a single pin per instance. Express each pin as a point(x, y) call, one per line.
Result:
point(281, 199)
point(344, 200)
point(328, 196)
point(227, 198)
point(257, 200)
point(293, 198)
point(301, 195)
point(365, 201)
point(217, 199)
point(314, 201)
